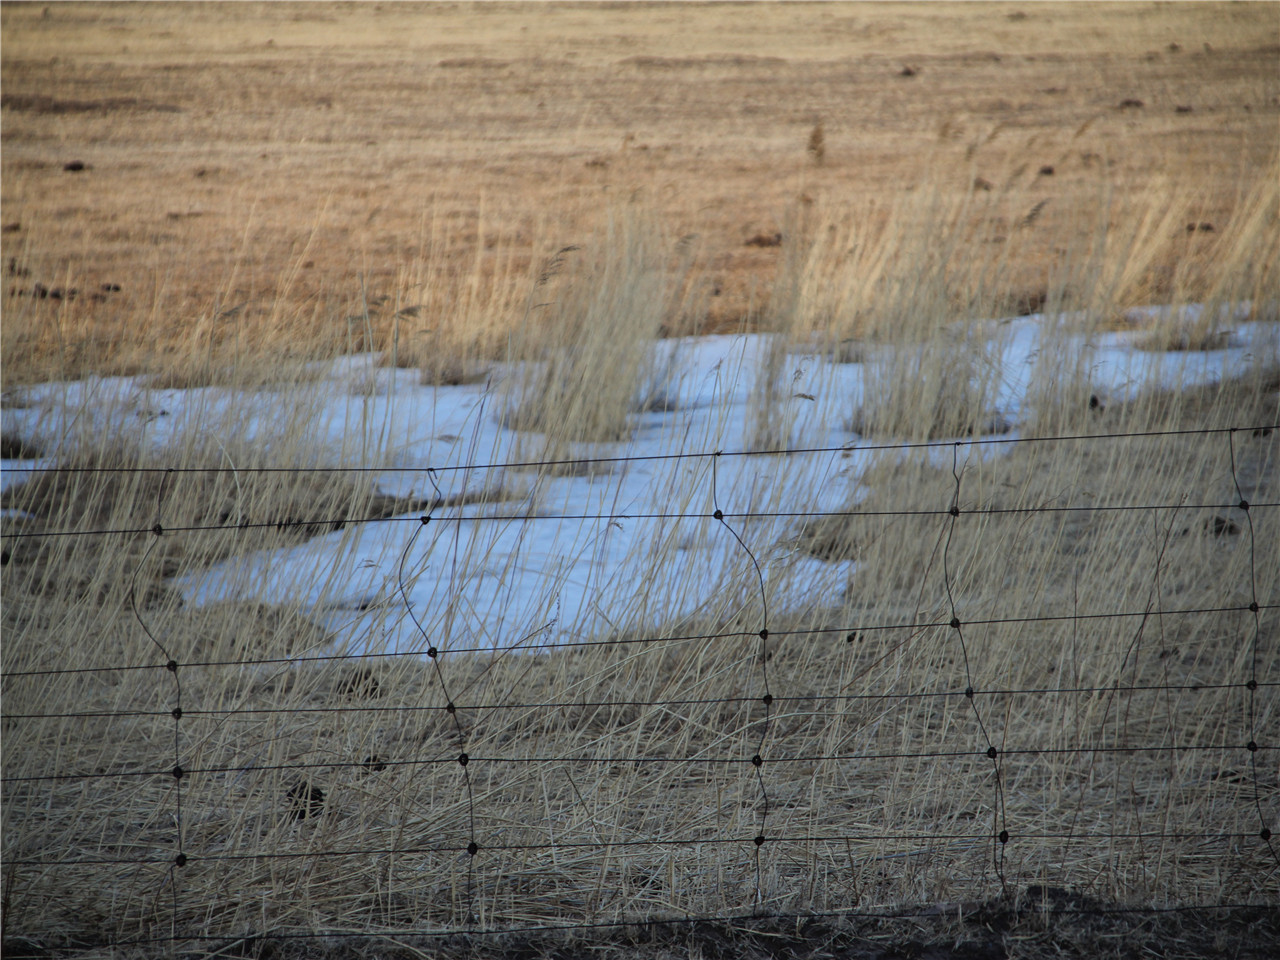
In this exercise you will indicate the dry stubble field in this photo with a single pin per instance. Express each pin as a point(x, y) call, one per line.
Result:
point(254, 182)
point(246, 165)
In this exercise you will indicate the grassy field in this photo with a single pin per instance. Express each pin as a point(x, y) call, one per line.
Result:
point(222, 194)
point(317, 177)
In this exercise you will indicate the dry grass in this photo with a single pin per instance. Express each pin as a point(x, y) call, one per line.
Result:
point(504, 184)
point(351, 765)
point(271, 180)
point(72, 526)
point(588, 336)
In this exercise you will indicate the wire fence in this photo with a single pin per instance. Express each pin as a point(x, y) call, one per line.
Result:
point(423, 838)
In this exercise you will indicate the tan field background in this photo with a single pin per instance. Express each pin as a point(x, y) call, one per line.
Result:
point(246, 165)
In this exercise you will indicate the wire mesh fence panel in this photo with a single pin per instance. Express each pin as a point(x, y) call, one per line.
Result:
point(1025, 679)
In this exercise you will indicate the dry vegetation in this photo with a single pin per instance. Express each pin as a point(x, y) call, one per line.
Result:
point(456, 185)
point(303, 179)
point(350, 767)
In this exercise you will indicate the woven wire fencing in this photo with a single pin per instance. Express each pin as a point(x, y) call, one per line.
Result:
point(1052, 665)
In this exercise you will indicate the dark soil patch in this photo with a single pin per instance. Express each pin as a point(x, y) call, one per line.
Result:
point(13, 447)
point(54, 105)
point(1043, 922)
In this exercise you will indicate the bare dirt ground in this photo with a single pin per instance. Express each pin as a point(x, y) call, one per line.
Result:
point(178, 169)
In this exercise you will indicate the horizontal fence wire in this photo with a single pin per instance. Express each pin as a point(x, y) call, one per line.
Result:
point(569, 845)
point(641, 759)
point(843, 634)
point(1256, 429)
point(760, 752)
point(327, 524)
point(688, 702)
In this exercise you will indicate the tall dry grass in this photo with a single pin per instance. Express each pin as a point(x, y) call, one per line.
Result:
point(1100, 586)
point(587, 339)
point(315, 121)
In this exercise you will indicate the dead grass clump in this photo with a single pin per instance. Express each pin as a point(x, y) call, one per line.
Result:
point(817, 145)
point(456, 372)
point(1224, 281)
point(244, 631)
point(589, 351)
point(14, 447)
point(157, 522)
point(927, 391)
point(1251, 398)
point(1187, 328)
point(896, 486)
point(897, 270)
point(1059, 528)
point(196, 373)
point(931, 382)
point(453, 321)
point(900, 289)
point(122, 492)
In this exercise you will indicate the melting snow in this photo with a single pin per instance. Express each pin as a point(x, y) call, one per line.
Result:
point(627, 547)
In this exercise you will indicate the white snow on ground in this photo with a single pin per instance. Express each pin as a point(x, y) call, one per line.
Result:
point(566, 558)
